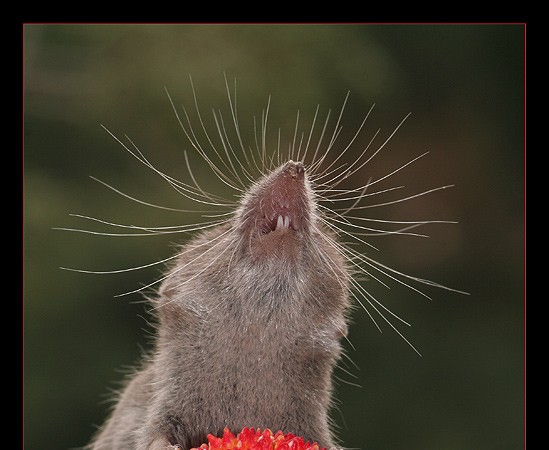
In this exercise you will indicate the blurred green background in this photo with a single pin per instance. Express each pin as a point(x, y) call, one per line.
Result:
point(464, 85)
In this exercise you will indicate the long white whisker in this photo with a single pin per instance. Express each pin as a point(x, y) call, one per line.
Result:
point(376, 264)
point(377, 231)
point(141, 201)
point(129, 269)
point(195, 143)
point(187, 280)
point(335, 238)
point(150, 230)
point(349, 171)
point(180, 268)
point(310, 137)
point(400, 200)
point(181, 188)
point(367, 296)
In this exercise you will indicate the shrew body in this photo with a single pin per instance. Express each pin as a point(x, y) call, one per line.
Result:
point(249, 322)
point(250, 313)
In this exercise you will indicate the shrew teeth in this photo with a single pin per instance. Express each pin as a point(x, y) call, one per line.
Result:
point(282, 222)
point(286, 222)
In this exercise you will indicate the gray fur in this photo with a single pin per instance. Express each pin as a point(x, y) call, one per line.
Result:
point(244, 337)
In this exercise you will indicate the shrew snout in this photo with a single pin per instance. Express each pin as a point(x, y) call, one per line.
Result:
point(282, 203)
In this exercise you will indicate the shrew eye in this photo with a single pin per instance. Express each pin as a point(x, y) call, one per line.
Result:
point(263, 230)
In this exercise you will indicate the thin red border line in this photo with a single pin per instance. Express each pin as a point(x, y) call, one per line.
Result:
point(524, 243)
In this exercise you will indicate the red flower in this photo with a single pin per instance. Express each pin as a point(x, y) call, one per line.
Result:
point(251, 439)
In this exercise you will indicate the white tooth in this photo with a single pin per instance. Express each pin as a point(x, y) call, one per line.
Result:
point(279, 222)
point(287, 222)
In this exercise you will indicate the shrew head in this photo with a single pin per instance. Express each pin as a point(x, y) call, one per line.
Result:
point(276, 213)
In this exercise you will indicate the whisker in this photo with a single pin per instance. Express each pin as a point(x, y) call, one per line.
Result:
point(195, 143)
point(404, 199)
point(395, 329)
point(180, 268)
point(147, 203)
point(200, 272)
point(339, 229)
point(129, 269)
point(150, 230)
point(181, 188)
